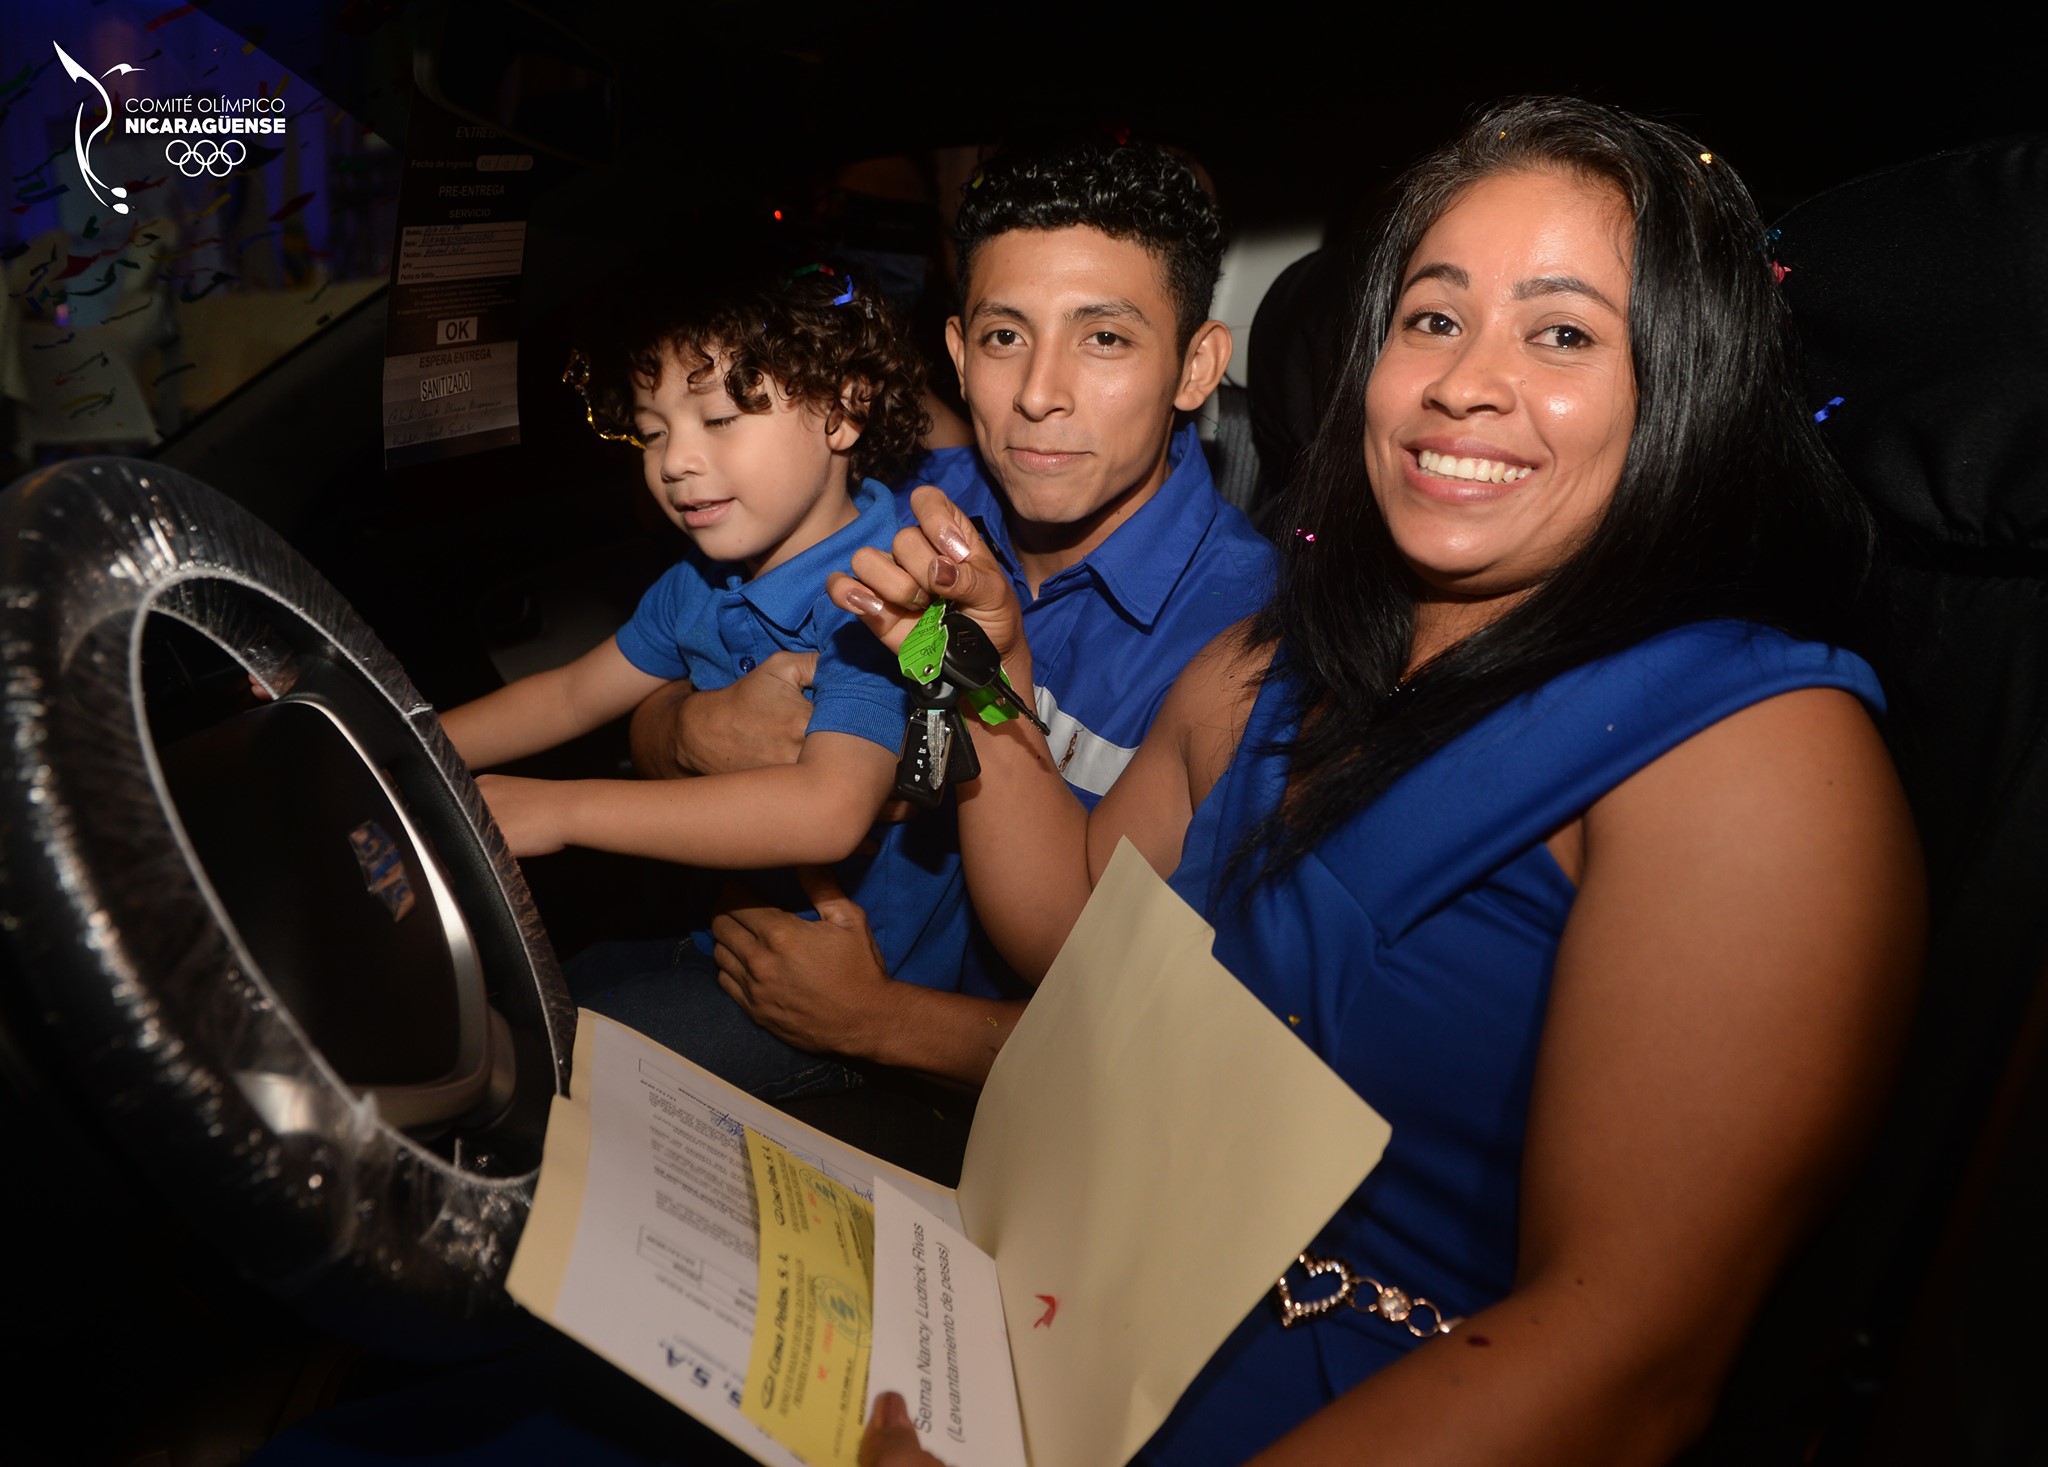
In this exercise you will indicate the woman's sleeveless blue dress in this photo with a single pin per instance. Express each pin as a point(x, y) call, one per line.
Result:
point(1413, 952)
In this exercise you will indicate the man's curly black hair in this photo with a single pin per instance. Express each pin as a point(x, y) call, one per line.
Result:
point(780, 331)
point(1136, 191)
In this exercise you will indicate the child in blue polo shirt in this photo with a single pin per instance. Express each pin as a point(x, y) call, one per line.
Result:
point(759, 413)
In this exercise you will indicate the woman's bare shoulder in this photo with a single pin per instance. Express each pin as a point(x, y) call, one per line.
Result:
point(1210, 701)
point(1801, 770)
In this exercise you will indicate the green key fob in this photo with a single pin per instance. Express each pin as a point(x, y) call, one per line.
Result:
point(923, 653)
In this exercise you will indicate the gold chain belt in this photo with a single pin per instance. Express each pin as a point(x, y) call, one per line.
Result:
point(1366, 1295)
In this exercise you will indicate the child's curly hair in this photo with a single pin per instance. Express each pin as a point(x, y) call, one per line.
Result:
point(820, 336)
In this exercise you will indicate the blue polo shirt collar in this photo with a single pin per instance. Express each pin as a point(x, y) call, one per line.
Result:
point(1139, 565)
point(786, 595)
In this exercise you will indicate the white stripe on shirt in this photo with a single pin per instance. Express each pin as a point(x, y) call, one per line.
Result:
point(1089, 761)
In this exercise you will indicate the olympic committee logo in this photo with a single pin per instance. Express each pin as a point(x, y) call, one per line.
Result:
point(82, 141)
point(204, 156)
point(202, 128)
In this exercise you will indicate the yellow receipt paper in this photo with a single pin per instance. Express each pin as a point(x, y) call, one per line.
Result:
point(807, 1377)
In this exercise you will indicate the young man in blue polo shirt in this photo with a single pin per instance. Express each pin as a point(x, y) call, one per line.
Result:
point(1086, 275)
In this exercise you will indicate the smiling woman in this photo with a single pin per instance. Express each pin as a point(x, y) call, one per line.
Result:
point(1501, 405)
point(1544, 804)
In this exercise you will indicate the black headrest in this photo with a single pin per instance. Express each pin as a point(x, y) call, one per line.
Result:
point(1921, 295)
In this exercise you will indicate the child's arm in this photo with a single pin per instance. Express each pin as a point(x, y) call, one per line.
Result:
point(548, 708)
point(814, 811)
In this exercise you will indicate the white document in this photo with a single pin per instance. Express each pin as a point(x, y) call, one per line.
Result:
point(1152, 1150)
point(939, 1337)
point(650, 1256)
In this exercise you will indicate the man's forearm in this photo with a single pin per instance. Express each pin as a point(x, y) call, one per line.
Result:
point(948, 1036)
point(760, 720)
point(655, 733)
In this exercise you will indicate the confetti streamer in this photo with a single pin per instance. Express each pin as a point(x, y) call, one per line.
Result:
point(170, 15)
point(258, 156)
point(1832, 404)
point(34, 276)
point(175, 371)
point(13, 93)
point(220, 278)
point(292, 207)
point(52, 345)
point(92, 402)
point(28, 201)
point(34, 176)
point(79, 264)
point(104, 285)
point(73, 372)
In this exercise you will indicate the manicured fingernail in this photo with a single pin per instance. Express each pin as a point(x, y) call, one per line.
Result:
point(944, 574)
point(862, 600)
point(951, 543)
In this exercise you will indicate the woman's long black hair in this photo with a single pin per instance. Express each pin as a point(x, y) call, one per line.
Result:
point(1728, 505)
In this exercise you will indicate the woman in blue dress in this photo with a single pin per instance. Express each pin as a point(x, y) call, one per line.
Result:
point(1543, 802)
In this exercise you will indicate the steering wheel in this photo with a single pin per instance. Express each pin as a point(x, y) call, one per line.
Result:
point(274, 944)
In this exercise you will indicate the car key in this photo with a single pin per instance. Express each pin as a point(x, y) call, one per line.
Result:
point(925, 763)
point(963, 763)
point(969, 661)
point(950, 658)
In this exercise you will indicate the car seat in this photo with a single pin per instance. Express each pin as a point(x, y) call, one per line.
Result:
point(1905, 1332)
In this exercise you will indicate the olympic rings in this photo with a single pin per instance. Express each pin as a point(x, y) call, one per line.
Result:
point(205, 156)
